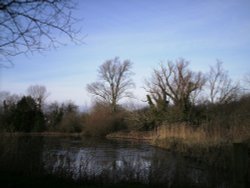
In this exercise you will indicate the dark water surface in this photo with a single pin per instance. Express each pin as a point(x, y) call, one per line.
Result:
point(88, 159)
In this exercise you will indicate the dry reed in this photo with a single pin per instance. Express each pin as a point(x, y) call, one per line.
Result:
point(203, 135)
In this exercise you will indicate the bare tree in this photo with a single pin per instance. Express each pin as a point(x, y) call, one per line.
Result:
point(173, 83)
point(247, 78)
point(34, 25)
point(7, 98)
point(247, 81)
point(3, 96)
point(38, 93)
point(115, 82)
point(221, 88)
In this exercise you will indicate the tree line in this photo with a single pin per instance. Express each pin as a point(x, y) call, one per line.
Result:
point(175, 93)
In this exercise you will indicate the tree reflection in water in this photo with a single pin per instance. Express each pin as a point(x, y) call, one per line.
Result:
point(84, 159)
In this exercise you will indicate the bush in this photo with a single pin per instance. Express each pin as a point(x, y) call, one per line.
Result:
point(142, 120)
point(70, 123)
point(102, 121)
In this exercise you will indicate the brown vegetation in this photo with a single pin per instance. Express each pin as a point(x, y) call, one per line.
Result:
point(138, 135)
point(217, 127)
point(102, 121)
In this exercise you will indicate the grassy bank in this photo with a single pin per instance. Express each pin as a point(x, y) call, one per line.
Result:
point(212, 146)
point(203, 135)
point(135, 135)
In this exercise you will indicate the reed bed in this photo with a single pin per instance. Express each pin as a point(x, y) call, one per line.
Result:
point(203, 135)
point(214, 146)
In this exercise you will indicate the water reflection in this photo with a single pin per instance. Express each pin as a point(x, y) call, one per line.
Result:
point(102, 160)
point(121, 161)
point(21, 155)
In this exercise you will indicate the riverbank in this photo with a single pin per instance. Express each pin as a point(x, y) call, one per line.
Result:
point(70, 162)
point(214, 148)
point(135, 135)
point(40, 134)
point(40, 162)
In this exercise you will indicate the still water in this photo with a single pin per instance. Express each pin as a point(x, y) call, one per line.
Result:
point(107, 160)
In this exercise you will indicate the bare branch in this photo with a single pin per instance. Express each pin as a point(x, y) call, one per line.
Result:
point(246, 81)
point(115, 82)
point(220, 87)
point(38, 93)
point(31, 25)
point(174, 83)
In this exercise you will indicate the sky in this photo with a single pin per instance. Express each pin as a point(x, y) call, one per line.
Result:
point(146, 32)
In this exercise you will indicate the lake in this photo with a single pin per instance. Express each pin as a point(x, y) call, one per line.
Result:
point(102, 160)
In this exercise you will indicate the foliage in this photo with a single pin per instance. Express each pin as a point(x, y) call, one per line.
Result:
point(8, 106)
point(145, 119)
point(24, 116)
point(64, 117)
point(54, 115)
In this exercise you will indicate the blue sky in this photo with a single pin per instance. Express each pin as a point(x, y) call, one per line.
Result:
point(144, 31)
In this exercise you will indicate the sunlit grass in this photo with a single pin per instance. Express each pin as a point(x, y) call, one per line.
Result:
point(203, 135)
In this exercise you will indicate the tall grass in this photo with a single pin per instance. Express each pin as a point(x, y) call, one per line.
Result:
point(212, 145)
point(203, 135)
